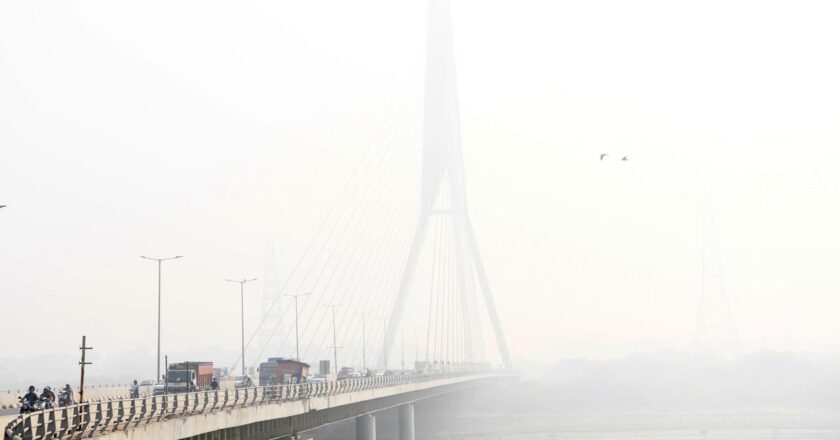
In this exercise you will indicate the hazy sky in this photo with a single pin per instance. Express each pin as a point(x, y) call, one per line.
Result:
point(208, 128)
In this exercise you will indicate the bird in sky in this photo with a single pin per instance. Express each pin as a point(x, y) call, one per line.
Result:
point(2, 206)
point(625, 158)
point(603, 155)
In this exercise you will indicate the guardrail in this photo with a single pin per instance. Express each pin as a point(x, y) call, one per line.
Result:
point(91, 418)
point(87, 387)
point(11, 398)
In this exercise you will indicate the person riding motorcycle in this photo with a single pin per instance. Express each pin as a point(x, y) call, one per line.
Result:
point(48, 394)
point(66, 396)
point(48, 397)
point(214, 384)
point(29, 400)
point(134, 391)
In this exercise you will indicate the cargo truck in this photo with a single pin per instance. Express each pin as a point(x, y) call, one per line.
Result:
point(183, 377)
point(277, 371)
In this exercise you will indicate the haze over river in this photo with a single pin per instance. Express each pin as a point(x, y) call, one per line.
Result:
point(476, 417)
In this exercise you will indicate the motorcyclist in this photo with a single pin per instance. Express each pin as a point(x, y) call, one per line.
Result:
point(66, 395)
point(47, 394)
point(214, 384)
point(47, 397)
point(30, 398)
point(134, 391)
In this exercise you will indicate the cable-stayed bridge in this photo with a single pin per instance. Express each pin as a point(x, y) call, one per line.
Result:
point(396, 253)
point(392, 283)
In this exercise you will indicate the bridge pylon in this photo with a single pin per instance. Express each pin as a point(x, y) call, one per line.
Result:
point(443, 177)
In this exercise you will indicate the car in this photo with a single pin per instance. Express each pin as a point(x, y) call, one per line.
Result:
point(159, 389)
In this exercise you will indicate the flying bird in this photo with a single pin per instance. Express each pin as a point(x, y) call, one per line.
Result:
point(603, 155)
point(624, 158)
point(2, 206)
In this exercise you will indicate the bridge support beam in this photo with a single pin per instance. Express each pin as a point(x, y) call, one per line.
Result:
point(406, 421)
point(366, 427)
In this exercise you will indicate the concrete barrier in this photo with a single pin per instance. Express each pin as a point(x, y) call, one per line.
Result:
point(9, 399)
point(281, 409)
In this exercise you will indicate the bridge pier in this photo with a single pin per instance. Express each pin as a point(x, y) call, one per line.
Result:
point(366, 427)
point(406, 414)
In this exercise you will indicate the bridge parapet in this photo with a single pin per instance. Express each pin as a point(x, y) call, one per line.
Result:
point(93, 418)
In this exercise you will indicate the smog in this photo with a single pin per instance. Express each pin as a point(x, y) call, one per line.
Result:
point(436, 219)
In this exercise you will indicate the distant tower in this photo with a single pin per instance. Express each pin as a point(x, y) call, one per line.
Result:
point(716, 333)
point(270, 328)
point(443, 173)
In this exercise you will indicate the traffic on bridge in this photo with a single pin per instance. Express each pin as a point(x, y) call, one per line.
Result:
point(353, 298)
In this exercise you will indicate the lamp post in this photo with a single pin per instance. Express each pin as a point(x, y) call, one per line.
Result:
point(242, 304)
point(159, 262)
point(297, 335)
point(364, 343)
point(384, 343)
point(335, 346)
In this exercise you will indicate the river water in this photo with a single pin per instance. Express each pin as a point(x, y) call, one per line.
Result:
point(557, 427)
point(462, 424)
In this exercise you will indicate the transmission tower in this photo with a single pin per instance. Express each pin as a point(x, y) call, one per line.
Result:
point(443, 173)
point(716, 332)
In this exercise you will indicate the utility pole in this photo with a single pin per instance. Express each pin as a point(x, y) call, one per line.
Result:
point(402, 347)
point(84, 348)
point(159, 261)
point(297, 335)
point(335, 346)
point(242, 301)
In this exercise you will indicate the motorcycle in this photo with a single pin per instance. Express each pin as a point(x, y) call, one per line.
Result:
point(25, 407)
point(43, 404)
point(65, 398)
point(134, 392)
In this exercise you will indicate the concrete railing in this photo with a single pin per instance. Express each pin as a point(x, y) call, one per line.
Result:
point(11, 398)
point(92, 418)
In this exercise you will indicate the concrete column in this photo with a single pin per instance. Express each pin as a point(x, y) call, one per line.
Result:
point(366, 427)
point(407, 422)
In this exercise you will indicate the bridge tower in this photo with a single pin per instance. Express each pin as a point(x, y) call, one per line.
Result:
point(443, 175)
point(716, 332)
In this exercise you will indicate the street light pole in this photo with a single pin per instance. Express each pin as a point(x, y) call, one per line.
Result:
point(159, 261)
point(297, 335)
point(385, 342)
point(335, 346)
point(415, 347)
point(364, 343)
point(242, 304)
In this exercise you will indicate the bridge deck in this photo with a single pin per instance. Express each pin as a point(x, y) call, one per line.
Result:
point(253, 413)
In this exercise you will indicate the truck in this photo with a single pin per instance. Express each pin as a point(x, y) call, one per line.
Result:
point(277, 371)
point(183, 377)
